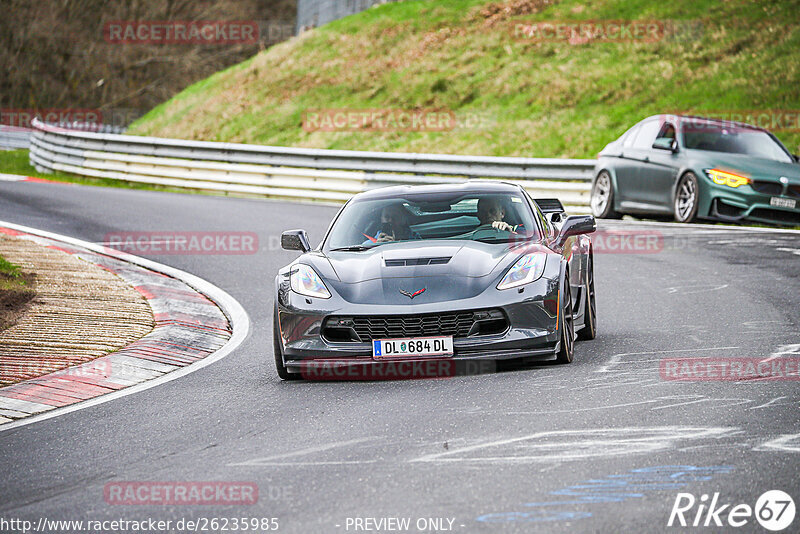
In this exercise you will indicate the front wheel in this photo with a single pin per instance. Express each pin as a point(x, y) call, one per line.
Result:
point(566, 325)
point(686, 198)
point(602, 199)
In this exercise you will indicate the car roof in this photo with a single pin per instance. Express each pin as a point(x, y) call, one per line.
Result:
point(706, 120)
point(466, 187)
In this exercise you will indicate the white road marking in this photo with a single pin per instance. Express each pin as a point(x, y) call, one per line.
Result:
point(11, 178)
point(784, 349)
point(785, 443)
point(776, 399)
point(795, 251)
point(563, 445)
point(272, 460)
point(616, 358)
point(703, 288)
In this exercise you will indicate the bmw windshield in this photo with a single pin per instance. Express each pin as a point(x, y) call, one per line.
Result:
point(734, 139)
point(486, 217)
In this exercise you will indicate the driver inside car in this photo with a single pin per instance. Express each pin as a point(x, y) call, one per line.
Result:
point(394, 225)
point(491, 213)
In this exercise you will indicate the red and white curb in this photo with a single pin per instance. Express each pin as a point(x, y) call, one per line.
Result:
point(197, 324)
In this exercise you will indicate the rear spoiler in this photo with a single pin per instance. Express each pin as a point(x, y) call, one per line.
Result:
point(549, 205)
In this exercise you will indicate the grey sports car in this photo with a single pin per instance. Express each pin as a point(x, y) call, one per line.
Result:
point(434, 276)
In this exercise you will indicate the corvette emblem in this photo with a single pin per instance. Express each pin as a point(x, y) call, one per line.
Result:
point(414, 294)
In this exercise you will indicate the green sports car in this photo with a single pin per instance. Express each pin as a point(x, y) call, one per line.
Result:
point(697, 168)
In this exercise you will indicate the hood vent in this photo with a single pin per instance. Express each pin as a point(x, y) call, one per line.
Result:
point(417, 261)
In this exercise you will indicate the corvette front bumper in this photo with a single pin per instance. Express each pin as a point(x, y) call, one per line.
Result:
point(531, 333)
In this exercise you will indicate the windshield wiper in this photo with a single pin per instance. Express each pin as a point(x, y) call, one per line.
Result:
point(352, 248)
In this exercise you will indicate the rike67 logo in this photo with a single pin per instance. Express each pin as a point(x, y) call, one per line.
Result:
point(774, 510)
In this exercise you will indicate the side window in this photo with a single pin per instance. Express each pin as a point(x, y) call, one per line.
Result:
point(547, 228)
point(631, 136)
point(647, 134)
point(667, 132)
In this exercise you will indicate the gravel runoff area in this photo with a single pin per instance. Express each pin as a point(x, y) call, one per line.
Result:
point(80, 312)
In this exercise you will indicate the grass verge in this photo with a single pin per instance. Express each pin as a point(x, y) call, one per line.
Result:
point(16, 290)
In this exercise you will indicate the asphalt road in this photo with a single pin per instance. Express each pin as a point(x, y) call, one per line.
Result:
point(585, 447)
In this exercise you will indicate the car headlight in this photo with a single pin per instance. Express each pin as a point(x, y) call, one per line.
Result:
point(307, 282)
point(528, 268)
point(730, 179)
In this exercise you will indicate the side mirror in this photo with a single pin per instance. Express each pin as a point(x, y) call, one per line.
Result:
point(295, 240)
point(665, 143)
point(576, 225)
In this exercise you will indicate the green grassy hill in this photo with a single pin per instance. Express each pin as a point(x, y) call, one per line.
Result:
point(517, 95)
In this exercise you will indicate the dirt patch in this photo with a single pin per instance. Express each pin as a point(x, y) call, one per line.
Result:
point(15, 295)
point(494, 13)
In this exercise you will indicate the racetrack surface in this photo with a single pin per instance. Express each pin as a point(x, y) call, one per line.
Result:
point(580, 447)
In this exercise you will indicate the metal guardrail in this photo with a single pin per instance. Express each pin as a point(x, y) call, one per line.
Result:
point(12, 138)
point(283, 172)
point(15, 137)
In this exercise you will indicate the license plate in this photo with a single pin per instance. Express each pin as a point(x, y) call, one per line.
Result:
point(779, 202)
point(412, 347)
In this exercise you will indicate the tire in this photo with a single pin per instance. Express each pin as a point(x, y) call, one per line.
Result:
point(276, 349)
point(602, 199)
point(589, 330)
point(566, 325)
point(685, 203)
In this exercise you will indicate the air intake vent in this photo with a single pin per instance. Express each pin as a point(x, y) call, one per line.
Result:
point(417, 261)
point(767, 188)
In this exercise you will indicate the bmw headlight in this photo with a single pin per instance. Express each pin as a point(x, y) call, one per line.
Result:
point(307, 282)
point(528, 268)
point(730, 179)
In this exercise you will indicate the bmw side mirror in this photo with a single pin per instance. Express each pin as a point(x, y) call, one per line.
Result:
point(576, 225)
point(664, 143)
point(295, 240)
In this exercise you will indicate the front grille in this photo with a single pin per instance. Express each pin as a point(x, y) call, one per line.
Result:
point(456, 324)
point(767, 188)
point(794, 191)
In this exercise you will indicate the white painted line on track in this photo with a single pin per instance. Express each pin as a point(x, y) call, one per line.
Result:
point(616, 358)
point(706, 227)
point(273, 460)
point(12, 178)
point(785, 443)
point(562, 445)
point(239, 320)
point(776, 399)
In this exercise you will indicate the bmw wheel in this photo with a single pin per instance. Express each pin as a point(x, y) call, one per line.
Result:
point(602, 199)
point(566, 325)
point(686, 197)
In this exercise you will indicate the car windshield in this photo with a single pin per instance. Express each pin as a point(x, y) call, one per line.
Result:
point(491, 218)
point(735, 140)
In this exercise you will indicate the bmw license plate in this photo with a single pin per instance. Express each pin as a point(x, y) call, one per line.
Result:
point(412, 347)
point(779, 202)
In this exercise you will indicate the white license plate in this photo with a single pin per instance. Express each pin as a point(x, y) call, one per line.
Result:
point(779, 202)
point(411, 347)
